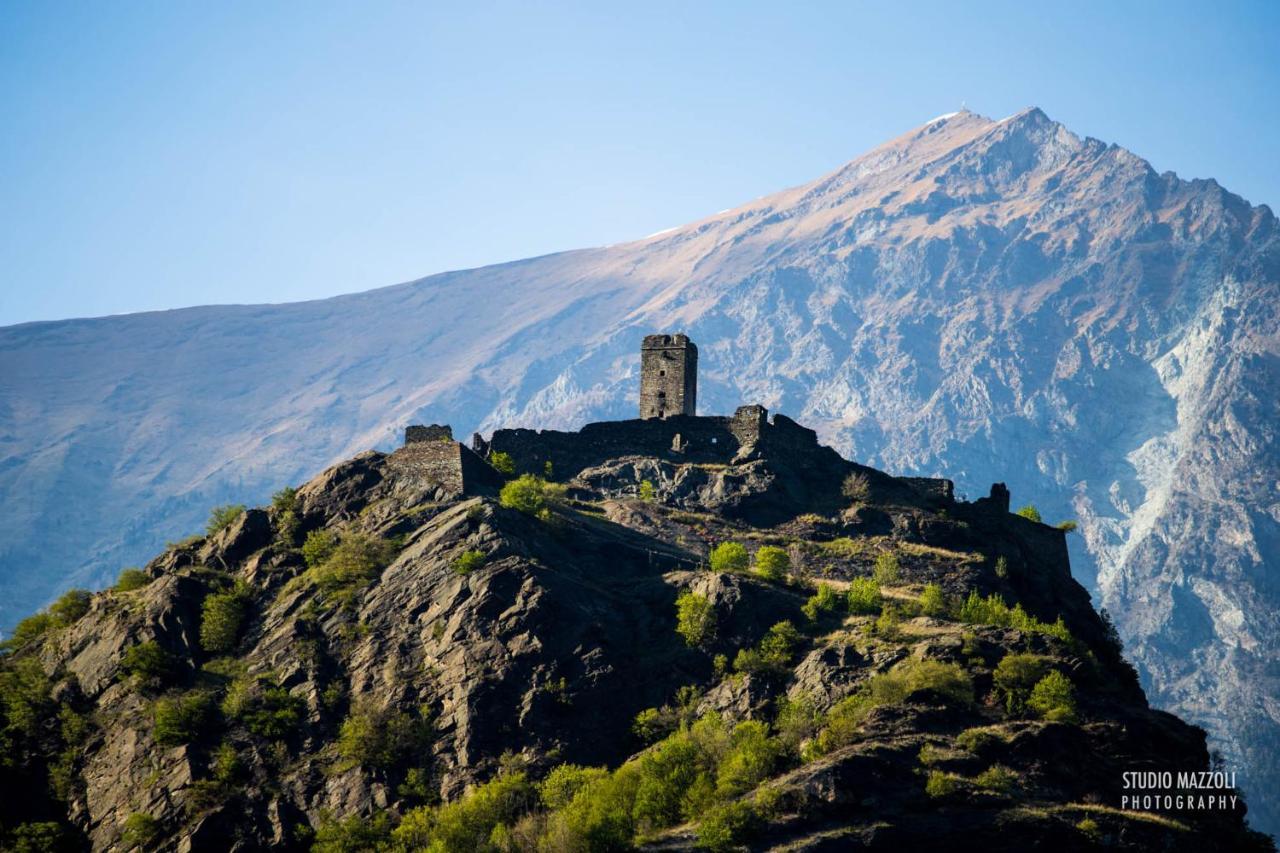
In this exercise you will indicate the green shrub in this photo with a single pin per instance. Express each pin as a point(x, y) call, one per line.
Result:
point(856, 487)
point(354, 834)
point(222, 517)
point(932, 601)
point(997, 778)
point(28, 630)
point(468, 562)
point(222, 617)
point(941, 784)
point(979, 739)
point(695, 618)
point(318, 546)
point(149, 664)
point(821, 603)
point(646, 491)
point(39, 837)
point(285, 504)
point(226, 765)
point(888, 621)
point(531, 495)
point(266, 709)
point(487, 812)
point(887, 570)
point(379, 737)
point(772, 563)
point(68, 609)
point(1090, 828)
point(750, 759)
point(184, 718)
point(1002, 568)
point(1068, 526)
point(948, 680)
point(25, 702)
point(993, 611)
point(729, 557)
point(774, 654)
point(796, 721)
point(1054, 698)
point(726, 826)
point(140, 830)
point(863, 596)
point(131, 579)
point(564, 782)
point(355, 561)
point(1015, 677)
point(1030, 512)
point(502, 463)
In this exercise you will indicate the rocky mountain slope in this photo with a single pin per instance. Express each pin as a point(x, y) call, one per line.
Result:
point(385, 659)
point(982, 298)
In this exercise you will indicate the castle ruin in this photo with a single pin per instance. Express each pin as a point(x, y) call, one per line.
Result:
point(668, 376)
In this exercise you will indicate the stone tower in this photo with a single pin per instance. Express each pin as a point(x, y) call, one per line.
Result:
point(668, 376)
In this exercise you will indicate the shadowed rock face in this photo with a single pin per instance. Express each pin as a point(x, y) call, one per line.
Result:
point(989, 300)
point(546, 646)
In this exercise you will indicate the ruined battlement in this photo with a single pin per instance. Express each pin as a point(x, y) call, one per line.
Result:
point(678, 438)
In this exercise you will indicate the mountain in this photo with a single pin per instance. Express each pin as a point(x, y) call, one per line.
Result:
point(389, 658)
point(986, 299)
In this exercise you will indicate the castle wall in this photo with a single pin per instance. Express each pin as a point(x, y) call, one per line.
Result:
point(431, 458)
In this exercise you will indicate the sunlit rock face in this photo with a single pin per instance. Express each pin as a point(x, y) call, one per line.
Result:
point(985, 299)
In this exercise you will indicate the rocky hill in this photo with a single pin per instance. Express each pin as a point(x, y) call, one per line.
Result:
point(976, 298)
point(745, 640)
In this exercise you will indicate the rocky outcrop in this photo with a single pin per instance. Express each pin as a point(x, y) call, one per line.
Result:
point(449, 637)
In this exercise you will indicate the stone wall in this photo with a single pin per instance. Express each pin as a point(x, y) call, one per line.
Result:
point(431, 458)
point(679, 438)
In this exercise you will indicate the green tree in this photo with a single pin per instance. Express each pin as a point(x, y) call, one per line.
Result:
point(647, 491)
point(531, 495)
point(932, 601)
point(726, 826)
point(1015, 677)
point(695, 618)
point(221, 517)
point(772, 563)
point(1030, 512)
point(564, 782)
point(1054, 698)
point(863, 596)
point(772, 657)
point(887, 570)
point(822, 602)
point(222, 617)
point(285, 505)
point(68, 609)
point(729, 557)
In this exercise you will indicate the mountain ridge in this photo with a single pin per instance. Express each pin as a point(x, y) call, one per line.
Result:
point(971, 297)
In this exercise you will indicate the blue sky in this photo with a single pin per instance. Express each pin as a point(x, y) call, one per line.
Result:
point(156, 155)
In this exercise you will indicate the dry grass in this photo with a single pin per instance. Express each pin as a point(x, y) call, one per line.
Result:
point(915, 549)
